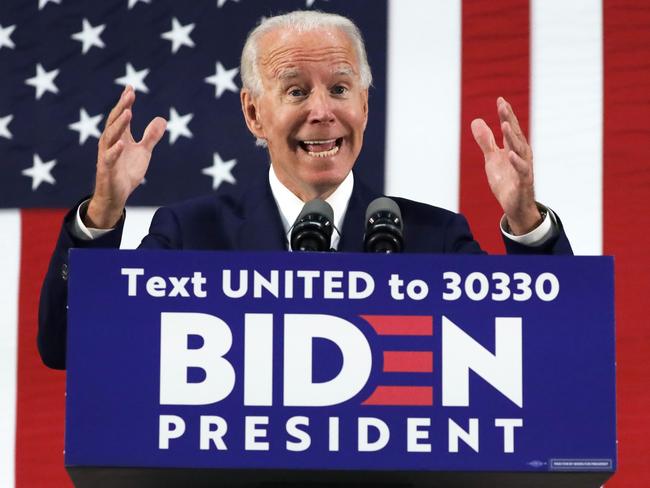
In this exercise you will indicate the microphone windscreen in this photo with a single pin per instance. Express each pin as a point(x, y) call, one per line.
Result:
point(317, 206)
point(384, 205)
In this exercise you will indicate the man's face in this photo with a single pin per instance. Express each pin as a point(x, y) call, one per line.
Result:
point(312, 111)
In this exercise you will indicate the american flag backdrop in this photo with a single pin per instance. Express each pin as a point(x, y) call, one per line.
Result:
point(577, 73)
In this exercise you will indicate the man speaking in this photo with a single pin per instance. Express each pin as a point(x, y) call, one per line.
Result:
point(305, 97)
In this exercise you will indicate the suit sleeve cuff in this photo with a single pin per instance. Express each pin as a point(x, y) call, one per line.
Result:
point(79, 229)
point(539, 235)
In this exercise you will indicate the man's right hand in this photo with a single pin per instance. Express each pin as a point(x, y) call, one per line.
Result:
point(121, 162)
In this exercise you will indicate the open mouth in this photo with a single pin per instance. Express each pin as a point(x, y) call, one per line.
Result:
point(322, 148)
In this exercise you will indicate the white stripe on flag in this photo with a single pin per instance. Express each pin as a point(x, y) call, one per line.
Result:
point(9, 285)
point(423, 106)
point(136, 226)
point(567, 115)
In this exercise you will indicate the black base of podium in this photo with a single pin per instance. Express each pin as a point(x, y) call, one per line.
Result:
point(144, 478)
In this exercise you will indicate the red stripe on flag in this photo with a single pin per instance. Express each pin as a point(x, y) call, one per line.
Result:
point(495, 62)
point(626, 186)
point(401, 395)
point(400, 324)
point(408, 362)
point(40, 395)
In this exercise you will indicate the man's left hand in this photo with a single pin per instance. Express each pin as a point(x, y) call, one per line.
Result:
point(509, 169)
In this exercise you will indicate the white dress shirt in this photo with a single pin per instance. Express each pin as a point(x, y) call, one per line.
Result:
point(290, 205)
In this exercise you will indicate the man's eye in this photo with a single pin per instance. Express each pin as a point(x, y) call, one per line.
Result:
point(296, 92)
point(339, 90)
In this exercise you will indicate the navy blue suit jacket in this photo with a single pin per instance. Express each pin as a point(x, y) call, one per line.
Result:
point(250, 221)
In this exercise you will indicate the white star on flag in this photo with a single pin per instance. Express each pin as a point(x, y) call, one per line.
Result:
point(177, 125)
point(133, 2)
point(43, 81)
point(86, 125)
point(134, 78)
point(220, 171)
point(221, 3)
point(40, 172)
point(179, 35)
point(223, 80)
point(43, 3)
point(4, 126)
point(89, 36)
point(5, 36)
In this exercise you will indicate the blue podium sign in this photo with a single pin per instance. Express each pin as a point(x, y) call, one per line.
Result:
point(222, 362)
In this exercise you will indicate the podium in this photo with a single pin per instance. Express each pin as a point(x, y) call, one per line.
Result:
point(230, 369)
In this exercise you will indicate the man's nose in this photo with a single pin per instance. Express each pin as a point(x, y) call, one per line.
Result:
point(320, 108)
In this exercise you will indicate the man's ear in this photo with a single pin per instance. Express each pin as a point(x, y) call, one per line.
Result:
point(365, 107)
point(251, 112)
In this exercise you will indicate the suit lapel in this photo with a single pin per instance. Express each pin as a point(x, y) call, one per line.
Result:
point(355, 216)
point(261, 228)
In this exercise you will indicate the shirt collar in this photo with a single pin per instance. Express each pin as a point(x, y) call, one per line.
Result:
point(290, 205)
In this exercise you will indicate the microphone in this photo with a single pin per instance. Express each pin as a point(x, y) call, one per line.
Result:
point(312, 230)
point(383, 227)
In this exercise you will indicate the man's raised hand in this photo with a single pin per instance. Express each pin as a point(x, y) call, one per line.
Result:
point(121, 162)
point(509, 169)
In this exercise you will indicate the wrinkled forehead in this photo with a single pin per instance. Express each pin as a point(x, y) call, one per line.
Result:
point(285, 53)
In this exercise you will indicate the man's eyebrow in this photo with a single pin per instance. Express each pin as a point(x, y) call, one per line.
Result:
point(344, 71)
point(289, 73)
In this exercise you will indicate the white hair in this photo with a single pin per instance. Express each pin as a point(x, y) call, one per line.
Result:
point(300, 21)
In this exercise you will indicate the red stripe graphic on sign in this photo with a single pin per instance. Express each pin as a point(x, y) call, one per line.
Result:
point(626, 184)
point(401, 395)
point(495, 62)
point(400, 324)
point(408, 362)
point(40, 395)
